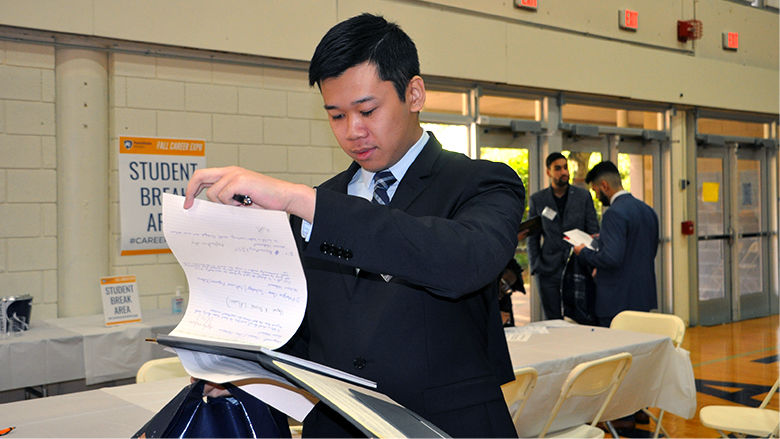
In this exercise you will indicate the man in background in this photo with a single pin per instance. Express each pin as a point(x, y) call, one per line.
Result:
point(627, 245)
point(402, 251)
point(562, 207)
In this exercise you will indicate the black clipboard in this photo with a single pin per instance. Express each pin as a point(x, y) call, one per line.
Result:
point(376, 415)
point(533, 225)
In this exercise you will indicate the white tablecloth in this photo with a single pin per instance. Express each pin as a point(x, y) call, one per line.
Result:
point(106, 412)
point(76, 348)
point(660, 375)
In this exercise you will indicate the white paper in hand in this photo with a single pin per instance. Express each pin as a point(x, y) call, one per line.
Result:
point(245, 276)
point(576, 237)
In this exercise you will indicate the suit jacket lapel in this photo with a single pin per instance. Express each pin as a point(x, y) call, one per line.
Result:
point(340, 182)
point(549, 201)
point(410, 187)
point(568, 212)
point(413, 183)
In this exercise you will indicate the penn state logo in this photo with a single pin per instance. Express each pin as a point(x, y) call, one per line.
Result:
point(128, 144)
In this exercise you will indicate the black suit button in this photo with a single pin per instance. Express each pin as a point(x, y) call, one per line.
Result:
point(347, 254)
point(359, 362)
point(324, 247)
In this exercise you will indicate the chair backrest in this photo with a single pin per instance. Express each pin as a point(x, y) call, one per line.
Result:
point(768, 396)
point(651, 323)
point(160, 369)
point(592, 378)
point(516, 392)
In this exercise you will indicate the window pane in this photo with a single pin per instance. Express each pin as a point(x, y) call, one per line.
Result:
point(452, 137)
point(445, 102)
point(731, 128)
point(515, 108)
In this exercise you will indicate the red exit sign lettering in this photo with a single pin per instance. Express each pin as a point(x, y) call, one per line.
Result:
point(526, 4)
point(628, 19)
point(731, 40)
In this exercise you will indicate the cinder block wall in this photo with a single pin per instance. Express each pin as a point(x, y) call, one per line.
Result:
point(262, 118)
point(28, 180)
point(265, 119)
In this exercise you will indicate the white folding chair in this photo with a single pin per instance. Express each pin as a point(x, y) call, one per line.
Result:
point(652, 323)
point(760, 422)
point(591, 378)
point(516, 392)
point(160, 369)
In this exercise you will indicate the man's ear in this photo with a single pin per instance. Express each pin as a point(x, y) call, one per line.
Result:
point(415, 94)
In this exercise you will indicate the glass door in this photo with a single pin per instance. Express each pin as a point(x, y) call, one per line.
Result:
point(582, 154)
point(639, 163)
point(733, 236)
point(502, 145)
point(714, 237)
point(752, 234)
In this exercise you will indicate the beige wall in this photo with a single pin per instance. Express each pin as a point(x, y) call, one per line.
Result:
point(265, 119)
point(565, 45)
point(28, 179)
point(270, 120)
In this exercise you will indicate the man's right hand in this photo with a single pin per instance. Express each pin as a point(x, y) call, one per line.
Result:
point(212, 390)
point(221, 184)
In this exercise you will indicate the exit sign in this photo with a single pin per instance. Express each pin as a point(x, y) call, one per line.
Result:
point(526, 4)
point(628, 19)
point(731, 40)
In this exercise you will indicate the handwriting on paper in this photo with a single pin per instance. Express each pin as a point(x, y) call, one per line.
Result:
point(244, 274)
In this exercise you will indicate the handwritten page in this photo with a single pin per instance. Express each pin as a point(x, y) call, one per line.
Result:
point(576, 237)
point(245, 277)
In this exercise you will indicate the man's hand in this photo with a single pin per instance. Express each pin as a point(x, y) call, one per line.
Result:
point(221, 184)
point(578, 249)
point(212, 390)
point(522, 235)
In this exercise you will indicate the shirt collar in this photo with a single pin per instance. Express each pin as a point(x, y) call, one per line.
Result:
point(399, 169)
point(617, 194)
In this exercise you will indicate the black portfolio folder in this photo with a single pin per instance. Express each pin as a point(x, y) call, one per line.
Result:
point(372, 412)
point(533, 225)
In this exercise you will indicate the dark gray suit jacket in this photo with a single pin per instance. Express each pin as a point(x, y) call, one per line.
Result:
point(431, 337)
point(548, 257)
point(625, 260)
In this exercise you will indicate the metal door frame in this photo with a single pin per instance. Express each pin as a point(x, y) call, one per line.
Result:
point(503, 136)
point(716, 311)
point(738, 306)
point(754, 305)
point(654, 148)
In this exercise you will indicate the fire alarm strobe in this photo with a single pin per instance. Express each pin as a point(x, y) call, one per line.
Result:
point(688, 30)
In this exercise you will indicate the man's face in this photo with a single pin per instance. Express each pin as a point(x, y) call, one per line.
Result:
point(558, 172)
point(598, 190)
point(369, 121)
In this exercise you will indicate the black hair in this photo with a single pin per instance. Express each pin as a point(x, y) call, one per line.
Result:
point(553, 156)
point(602, 170)
point(364, 38)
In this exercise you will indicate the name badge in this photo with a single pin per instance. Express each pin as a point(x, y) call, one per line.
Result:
point(549, 213)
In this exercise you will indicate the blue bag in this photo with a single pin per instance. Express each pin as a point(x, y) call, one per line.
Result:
point(190, 415)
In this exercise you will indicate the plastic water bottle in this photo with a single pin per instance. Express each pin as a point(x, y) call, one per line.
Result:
point(177, 302)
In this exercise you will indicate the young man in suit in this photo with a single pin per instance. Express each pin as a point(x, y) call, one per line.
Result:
point(402, 251)
point(627, 245)
point(562, 207)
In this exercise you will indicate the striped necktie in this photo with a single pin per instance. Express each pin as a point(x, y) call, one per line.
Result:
point(382, 181)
